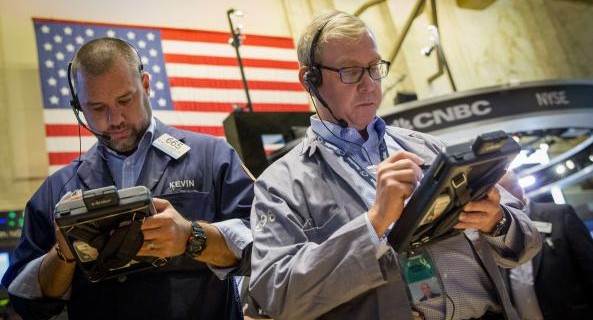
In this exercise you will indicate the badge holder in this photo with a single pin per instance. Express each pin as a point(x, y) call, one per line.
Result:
point(421, 276)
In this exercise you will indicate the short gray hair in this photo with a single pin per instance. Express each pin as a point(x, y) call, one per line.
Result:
point(99, 55)
point(336, 25)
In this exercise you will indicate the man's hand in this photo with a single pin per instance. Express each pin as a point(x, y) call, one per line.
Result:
point(165, 233)
point(397, 177)
point(482, 214)
point(61, 242)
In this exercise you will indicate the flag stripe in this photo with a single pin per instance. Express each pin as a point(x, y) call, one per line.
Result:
point(69, 144)
point(228, 107)
point(223, 37)
point(174, 118)
point(62, 158)
point(190, 118)
point(225, 50)
point(65, 130)
point(62, 135)
point(224, 61)
point(182, 70)
point(233, 84)
point(224, 95)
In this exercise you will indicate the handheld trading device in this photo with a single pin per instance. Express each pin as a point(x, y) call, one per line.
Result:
point(102, 228)
point(458, 176)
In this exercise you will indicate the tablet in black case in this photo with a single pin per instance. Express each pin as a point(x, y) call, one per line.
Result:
point(102, 228)
point(458, 175)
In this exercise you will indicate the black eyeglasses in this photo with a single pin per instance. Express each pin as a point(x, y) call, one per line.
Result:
point(350, 75)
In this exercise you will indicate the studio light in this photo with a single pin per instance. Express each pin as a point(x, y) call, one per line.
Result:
point(560, 169)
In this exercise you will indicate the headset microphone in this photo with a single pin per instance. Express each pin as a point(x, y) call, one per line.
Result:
point(96, 133)
point(341, 122)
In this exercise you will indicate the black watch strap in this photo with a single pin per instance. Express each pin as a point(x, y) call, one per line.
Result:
point(196, 243)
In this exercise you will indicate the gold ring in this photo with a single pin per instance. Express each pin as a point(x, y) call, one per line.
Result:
point(151, 245)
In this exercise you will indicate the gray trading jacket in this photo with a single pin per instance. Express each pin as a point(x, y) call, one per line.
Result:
point(313, 257)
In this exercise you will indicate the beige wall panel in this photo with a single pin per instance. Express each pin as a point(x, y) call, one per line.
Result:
point(508, 41)
point(420, 68)
point(573, 21)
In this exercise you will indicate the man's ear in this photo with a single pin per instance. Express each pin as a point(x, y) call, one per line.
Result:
point(302, 71)
point(146, 81)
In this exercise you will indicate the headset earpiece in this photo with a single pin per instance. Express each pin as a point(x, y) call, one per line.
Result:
point(74, 103)
point(313, 77)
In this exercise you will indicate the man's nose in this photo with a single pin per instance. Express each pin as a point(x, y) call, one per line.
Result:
point(366, 83)
point(114, 116)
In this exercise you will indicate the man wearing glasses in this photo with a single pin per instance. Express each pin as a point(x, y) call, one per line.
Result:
point(321, 213)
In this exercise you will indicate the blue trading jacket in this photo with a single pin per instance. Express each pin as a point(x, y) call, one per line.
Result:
point(208, 183)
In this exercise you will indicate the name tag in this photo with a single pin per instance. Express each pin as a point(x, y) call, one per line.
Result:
point(171, 146)
point(543, 227)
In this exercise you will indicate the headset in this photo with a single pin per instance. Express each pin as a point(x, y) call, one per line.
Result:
point(313, 78)
point(75, 103)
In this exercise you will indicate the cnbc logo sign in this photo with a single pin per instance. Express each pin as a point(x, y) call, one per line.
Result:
point(444, 116)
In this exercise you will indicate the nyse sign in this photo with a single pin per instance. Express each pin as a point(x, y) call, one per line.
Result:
point(528, 100)
point(552, 98)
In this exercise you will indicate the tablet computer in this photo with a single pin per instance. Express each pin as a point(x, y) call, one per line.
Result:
point(458, 175)
point(102, 229)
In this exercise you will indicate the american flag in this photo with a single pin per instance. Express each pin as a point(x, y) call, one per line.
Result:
point(195, 78)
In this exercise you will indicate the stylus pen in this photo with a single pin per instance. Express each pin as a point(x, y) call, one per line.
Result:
point(373, 168)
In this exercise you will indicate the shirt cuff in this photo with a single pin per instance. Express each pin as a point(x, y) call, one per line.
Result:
point(26, 284)
point(236, 236)
point(380, 244)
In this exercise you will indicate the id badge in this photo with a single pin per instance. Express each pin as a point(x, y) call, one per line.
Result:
point(421, 276)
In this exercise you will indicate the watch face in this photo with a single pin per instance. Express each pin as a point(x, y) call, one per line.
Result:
point(197, 240)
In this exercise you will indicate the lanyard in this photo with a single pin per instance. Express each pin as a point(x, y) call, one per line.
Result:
point(362, 172)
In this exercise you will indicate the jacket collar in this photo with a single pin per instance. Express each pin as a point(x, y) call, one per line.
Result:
point(407, 139)
point(411, 141)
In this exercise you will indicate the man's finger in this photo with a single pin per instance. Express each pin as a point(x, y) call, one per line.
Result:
point(152, 222)
point(472, 217)
point(160, 204)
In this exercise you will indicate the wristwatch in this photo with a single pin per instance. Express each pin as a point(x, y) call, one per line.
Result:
point(500, 227)
point(196, 243)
